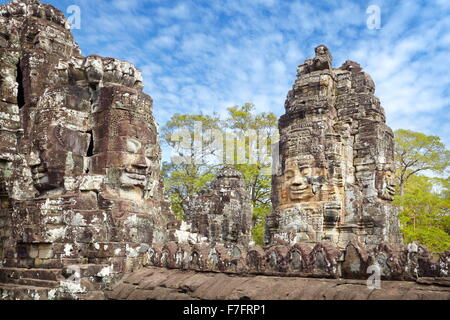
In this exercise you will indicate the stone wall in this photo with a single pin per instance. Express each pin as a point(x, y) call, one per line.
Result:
point(322, 260)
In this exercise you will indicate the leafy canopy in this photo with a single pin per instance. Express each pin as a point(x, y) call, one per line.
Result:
point(416, 152)
point(200, 161)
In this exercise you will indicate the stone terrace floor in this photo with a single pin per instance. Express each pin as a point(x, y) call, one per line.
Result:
point(166, 284)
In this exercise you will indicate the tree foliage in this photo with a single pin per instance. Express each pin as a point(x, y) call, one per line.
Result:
point(424, 201)
point(257, 174)
point(416, 152)
point(184, 179)
point(190, 171)
point(425, 212)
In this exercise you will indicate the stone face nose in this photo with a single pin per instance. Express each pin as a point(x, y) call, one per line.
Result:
point(299, 181)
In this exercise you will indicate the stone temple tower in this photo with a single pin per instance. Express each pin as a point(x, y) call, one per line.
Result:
point(80, 182)
point(335, 181)
point(222, 213)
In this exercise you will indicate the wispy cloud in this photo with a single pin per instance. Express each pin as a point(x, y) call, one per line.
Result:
point(209, 55)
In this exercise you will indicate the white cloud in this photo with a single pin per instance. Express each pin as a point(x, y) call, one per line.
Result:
point(180, 11)
point(125, 5)
point(206, 56)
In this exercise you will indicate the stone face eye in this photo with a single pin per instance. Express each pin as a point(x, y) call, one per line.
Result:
point(150, 152)
point(290, 174)
point(305, 171)
point(133, 146)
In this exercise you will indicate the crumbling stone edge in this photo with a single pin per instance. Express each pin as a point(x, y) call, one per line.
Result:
point(322, 260)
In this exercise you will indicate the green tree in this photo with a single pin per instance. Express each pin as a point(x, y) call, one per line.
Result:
point(244, 143)
point(245, 122)
point(416, 152)
point(425, 212)
point(190, 170)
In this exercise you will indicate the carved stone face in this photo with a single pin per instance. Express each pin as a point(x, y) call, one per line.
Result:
point(56, 151)
point(46, 174)
point(301, 181)
point(59, 138)
point(321, 50)
point(125, 143)
point(297, 181)
point(385, 184)
point(139, 156)
point(127, 153)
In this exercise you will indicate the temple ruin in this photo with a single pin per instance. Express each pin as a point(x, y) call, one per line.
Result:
point(80, 152)
point(83, 212)
point(222, 214)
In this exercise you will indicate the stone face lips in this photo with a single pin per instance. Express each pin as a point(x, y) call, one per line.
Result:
point(79, 152)
point(336, 180)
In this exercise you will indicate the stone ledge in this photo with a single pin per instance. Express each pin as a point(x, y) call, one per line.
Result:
point(166, 284)
point(323, 260)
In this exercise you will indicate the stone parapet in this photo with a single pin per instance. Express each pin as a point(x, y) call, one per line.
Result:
point(321, 260)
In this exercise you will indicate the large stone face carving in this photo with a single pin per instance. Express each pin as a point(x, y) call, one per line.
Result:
point(59, 137)
point(126, 150)
point(79, 153)
point(336, 179)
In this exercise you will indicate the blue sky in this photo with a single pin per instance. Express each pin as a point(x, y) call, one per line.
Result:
point(209, 55)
